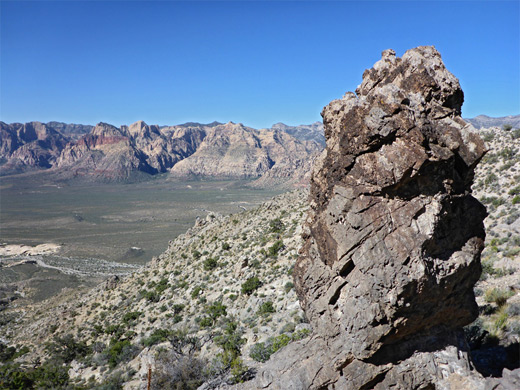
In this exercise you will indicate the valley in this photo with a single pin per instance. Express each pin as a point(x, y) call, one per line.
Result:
point(93, 231)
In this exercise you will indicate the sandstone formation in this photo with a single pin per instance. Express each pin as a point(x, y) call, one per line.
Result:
point(392, 249)
point(29, 145)
point(234, 150)
point(108, 153)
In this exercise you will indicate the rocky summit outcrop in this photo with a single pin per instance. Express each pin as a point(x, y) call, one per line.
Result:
point(393, 242)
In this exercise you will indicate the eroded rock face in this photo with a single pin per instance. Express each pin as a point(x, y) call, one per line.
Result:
point(394, 238)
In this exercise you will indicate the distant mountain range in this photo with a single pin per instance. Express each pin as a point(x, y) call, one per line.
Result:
point(108, 153)
point(281, 154)
point(484, 121)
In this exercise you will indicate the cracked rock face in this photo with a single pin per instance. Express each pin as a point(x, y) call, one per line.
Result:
point(395, 236)
point(392, 249)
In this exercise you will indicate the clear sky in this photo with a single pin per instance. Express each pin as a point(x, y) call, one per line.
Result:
point(258, 63)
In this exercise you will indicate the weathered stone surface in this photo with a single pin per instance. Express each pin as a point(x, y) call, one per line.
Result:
point(393, 242)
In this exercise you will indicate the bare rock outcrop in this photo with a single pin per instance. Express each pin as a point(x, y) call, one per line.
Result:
point(393, 241)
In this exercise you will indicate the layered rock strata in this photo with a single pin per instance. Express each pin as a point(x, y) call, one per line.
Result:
point(393, 242)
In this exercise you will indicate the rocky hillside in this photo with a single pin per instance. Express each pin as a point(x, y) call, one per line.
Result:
point(108, 153)
point(227, 280)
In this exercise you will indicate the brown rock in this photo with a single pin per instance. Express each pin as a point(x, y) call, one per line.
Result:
point(393, 242)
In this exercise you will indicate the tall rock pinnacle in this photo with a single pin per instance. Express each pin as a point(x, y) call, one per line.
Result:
point(393, 242)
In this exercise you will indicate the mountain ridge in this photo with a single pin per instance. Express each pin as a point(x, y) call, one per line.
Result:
point(109, 153)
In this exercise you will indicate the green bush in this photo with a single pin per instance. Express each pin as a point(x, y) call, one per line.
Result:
point(50, 375)
point(205, 322)
point(150, 296)
point(275, 248)
point(251, 285)
point(276, 226)
point(215, 310)
point(515, 190)
point(261, 352)
point(161, 286)
point(67, 349)
point(195, 292)
point(157, 336)
point(210, 264)
point(131, 316)
point(266, 308)
point(231, 341)
point(120, 351)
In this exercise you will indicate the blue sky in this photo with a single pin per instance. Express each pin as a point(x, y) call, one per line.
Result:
point(257, 63)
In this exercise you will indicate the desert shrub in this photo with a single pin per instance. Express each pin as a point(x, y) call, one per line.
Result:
point(195, 292)
point(196, 254)
point(276, 226)
point(251, 285)
point(261, 352)
point(226, 246)
point(515, 134)
point(120, 351)
point(266, 308)
point(500, 323)
point(288, 286)
point(67, 349)
point(231, 340)
point(215, 310)
point(205, 322)
point(512, 217)
point(131, 316)
point(177, 308)
point(174, 372)
point(300, 334)
point(210, 264)
point(150, 296)
point(475, 333)
point(162, 285)
point(157, 336)
point(275, 248)
point(498, 296)
point(507, 127)
point(515, 190)
point(488, 136)
point(516, 199)
point(491, 178)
